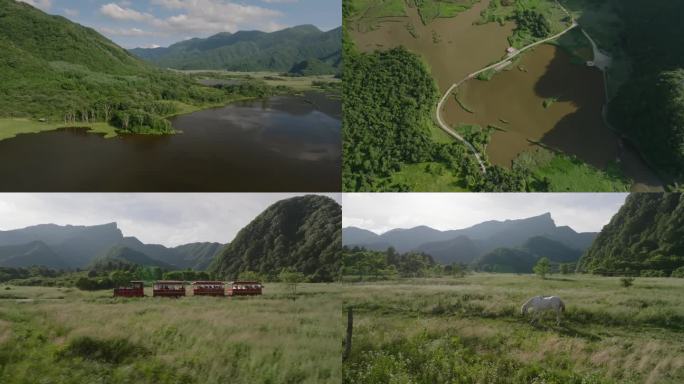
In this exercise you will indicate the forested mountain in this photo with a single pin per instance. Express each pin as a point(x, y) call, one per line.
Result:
point(464, 245)
point(33, 253)
point(646, 236)
point(124, 258)
point(460, 249)
point(506, 260)
point(649, 108)
point(53, 68)
point(196, 256)
point(523, 258)
point(303, 233)
point(75, 246)
point(69, 247)
point(303, 50)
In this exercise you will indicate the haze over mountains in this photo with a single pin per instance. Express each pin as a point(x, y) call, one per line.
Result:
point(71, 247)
point(303, 50)
point(302, 233)
point(476, 244)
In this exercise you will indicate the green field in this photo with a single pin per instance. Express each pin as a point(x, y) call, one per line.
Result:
point(469, 330)
point(10, 128)
point(565, 173)
point(63, 335)
point(429, 177)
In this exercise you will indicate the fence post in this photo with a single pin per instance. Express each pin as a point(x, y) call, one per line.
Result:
point(350, 329)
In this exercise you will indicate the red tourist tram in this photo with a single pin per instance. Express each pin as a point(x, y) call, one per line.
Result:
point(168, 288)
point(208, 288)
point(245, 288)
point(134, 289)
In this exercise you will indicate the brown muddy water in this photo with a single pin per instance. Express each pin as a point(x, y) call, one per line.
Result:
point(572, 123)
point(452, 47)
point(285, 143)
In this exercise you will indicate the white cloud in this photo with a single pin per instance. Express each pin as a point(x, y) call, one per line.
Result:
point(213, 16)
point(42, 4)
point(380, 212)
point(126, 32)
point(116, 12)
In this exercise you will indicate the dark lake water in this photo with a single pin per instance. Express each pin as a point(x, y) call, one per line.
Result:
point(284, 144)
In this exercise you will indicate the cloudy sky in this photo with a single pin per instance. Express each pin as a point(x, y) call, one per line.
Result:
point(150, 23)
point(169, 219)
point(584, 212)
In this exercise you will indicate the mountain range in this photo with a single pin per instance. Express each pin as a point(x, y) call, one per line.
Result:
point(302, 233)
point(481, 244)
point(71, 247)
point(302, 50)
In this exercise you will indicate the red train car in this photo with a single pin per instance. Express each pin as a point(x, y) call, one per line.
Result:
point(134, 289)
point(245, 288)
point(208, 288)
point(168, 288)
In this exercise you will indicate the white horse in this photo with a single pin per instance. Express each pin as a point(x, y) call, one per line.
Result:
point(539, 304)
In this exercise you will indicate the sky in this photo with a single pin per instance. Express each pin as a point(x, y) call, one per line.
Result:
point(152, 23)
point(170, 219)
point(380, 212)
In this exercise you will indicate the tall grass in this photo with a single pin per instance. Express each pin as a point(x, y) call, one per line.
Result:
point(469, 330)
point(90, 337)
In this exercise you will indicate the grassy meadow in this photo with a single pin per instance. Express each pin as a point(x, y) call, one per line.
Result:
point(469, 330)
point(63, 335)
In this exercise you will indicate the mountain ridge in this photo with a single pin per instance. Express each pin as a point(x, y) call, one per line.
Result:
point(286, 50)
point(450, 246)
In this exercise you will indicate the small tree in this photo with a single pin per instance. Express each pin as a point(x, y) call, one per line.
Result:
point(679, 272)
point(565, 269)
point(250, 276)
point(627, 281)
point(542, 267)
point(292, 278)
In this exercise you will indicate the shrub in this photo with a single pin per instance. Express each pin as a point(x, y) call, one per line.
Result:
point(113, 351)
point(627, 281)
point(652, 273)
point(87, 284)
point(679, 272)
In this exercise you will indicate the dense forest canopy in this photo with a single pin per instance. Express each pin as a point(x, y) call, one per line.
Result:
point(649, 108)
point(287, 50)
point(645, 237)
point(302, 233)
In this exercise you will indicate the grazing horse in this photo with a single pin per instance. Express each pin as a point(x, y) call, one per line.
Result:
point(539, 304)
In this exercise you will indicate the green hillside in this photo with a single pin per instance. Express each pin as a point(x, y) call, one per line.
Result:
point(57, 70)
point(523, 258)
point(281, 51)
point(303, 233)
point(123, 258)
point(646, 236)
point(197, 256)
point(35, 253)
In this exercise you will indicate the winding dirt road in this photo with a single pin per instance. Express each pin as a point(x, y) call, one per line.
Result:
point(497, 65)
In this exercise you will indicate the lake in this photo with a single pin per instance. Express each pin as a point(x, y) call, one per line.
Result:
point(284, 144)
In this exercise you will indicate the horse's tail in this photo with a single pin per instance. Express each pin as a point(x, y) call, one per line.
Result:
point(562, 306)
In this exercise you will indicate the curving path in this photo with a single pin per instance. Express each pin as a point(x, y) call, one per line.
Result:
point(497, 65)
